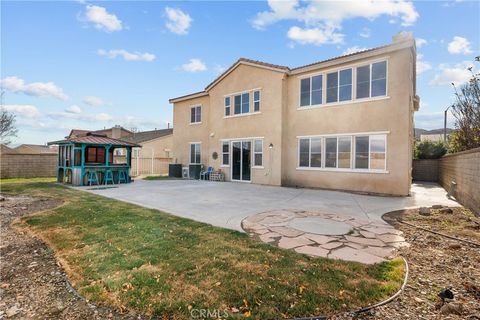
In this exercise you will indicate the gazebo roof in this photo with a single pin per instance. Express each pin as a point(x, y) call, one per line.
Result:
point(95, 139)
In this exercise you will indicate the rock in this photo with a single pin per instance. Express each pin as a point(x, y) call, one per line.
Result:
point(437, 206)
point(418, 300)
point(451, 308)
point(424, 211)
point(2, 198)
point(446, 210)
point(455, 246)
point(12, 311)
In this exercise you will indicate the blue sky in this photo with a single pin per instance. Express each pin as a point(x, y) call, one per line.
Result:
point(89, 65)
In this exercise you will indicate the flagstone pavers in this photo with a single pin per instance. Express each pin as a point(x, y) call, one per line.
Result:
point(325, 234)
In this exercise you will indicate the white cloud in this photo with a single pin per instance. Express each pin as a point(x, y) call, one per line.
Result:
point(102, 19)
point(73, 109)
point(219, 68)
point(365, 33)
point(24, 110)
point(323, 19)
point(96, 117)
point(93, 101)
point(178, 21)
point(195, 65)
point(353, 50)
point(136, 122)
point(316, 36)
point(38, 89)
point(457, 74)
point(422, 66)
point(420, 42)
point(459, 45)
point(432, 120)
point(128, 56)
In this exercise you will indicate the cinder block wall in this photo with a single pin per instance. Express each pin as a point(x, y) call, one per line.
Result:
point(425, 170)
point(464, 169)
point(28, 165)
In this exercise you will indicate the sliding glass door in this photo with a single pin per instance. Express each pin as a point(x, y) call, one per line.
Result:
point(241, 160)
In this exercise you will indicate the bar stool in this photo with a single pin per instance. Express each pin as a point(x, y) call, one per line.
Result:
point(92, 177)
point(108, 177)
point(122, 176)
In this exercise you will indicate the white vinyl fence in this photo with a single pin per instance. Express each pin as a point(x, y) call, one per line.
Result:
point(150, 166)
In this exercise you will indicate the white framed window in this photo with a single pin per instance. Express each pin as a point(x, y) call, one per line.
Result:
point(195, 153)
point(227, 106)
point(241, 103)
point(258, 153)
point(339, 86)
point(256, 101)
point(225, 153)
point(196, 114)
point(344, 152)
point(311, 91)
point(372, 80)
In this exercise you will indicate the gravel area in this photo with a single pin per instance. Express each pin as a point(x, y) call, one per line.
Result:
point(32, 284)
point(436, 263)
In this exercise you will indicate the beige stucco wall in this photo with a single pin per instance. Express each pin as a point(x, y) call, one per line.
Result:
point(280, 122)
point(160, 148)
point(392, 114)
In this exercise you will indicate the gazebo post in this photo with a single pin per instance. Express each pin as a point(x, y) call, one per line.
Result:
point(82, 163)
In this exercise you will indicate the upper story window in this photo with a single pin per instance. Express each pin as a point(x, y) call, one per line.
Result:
point(339, 86)
point(244, 103)
point(227, 106)
point(256, 101)
point(311, 91)
point(196, 114)
point(372, 80)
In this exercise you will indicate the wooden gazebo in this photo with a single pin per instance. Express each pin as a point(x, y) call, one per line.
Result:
point(94, 159)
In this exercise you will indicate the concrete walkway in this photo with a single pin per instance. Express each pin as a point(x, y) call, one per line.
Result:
point(226, 204)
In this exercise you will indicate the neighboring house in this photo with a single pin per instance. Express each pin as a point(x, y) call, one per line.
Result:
point(344, 123)
point(431, 135)
point(155, 143)
point(35, 149)
point(6, 149)
point(116, 132)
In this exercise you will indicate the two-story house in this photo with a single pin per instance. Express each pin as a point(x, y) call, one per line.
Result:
point(345, 123)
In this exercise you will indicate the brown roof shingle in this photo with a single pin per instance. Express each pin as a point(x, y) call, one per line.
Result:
point(139, 137)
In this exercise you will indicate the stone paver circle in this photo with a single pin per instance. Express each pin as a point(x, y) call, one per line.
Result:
point(326, 234)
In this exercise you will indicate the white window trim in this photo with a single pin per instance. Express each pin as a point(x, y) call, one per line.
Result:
point(370, 65)
point(223, 153)
point(190, 152)
point(352, 66)
point(352, 153)
point(251, 103)
point(201, 114)
point(259, 99)
point(338, 87)
point(254, 153)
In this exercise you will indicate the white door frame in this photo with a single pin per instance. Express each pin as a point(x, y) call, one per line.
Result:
point(241, 158)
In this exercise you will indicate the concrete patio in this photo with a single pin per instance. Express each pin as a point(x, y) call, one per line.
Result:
point(226, 204)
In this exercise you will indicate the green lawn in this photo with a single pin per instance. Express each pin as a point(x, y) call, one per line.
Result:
point(131, 257)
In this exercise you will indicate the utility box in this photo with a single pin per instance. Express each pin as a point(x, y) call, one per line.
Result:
point(175, 170)
point(194, 170)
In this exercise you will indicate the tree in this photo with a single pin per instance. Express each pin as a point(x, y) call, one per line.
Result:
point(430, 150)
point(466, 111)
point(7, 126)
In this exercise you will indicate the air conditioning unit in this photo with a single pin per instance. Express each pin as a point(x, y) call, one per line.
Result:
point(185, 173)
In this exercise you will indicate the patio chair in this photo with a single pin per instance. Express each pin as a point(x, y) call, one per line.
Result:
point(205, 174)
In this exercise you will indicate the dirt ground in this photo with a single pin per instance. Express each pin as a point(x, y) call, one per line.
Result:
point(32, 284)
point(437, 263)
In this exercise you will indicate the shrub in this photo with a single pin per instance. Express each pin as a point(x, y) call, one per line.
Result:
point(430, 150)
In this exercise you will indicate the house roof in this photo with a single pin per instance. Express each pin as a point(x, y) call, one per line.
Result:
point(78, 132)
point(81, 132)
point(397, 44)
point(35, 148)
point(139, 137)
point(6, 149)
point(95, 139)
